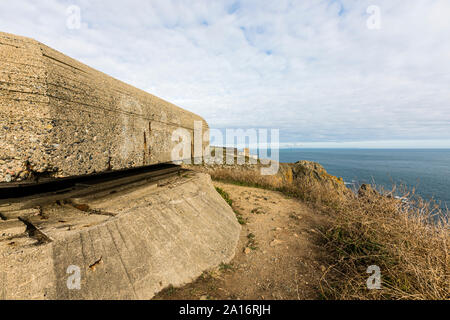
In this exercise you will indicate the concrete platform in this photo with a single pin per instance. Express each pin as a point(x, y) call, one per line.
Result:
point(59, 117)
point(126, 245)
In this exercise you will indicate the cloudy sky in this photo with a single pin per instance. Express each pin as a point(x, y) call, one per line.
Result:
point(326, 73)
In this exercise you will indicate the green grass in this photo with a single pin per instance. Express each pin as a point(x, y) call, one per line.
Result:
point(252, 241)
point(225, 196)
point(225, 267)
point(228, 200)
point(170, 290)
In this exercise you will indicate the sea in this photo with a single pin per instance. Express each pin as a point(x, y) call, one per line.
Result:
point(427, 171)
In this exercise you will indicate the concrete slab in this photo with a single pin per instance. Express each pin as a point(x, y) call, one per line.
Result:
point(156, 237)
point(12, 228)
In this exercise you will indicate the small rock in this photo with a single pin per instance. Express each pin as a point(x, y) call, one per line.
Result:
point(275, 242)
point(203, 298)
point(247, 250)
point(23, 175)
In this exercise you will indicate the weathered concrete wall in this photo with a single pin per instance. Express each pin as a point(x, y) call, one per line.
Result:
point(59, 117)
point(138, 243)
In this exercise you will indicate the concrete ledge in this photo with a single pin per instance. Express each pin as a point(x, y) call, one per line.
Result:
point(12, 228)
point(138, 243)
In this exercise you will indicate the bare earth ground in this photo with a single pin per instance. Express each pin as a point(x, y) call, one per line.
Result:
point(278, 255)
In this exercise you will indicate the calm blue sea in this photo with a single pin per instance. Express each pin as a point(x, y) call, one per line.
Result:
point(428, 170)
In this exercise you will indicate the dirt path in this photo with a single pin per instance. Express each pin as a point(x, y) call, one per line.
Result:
point(277, 256)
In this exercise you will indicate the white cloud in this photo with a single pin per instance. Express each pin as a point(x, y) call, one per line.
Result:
point(310, 68)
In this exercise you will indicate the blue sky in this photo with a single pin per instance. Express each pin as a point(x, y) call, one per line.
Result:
point(312, 69)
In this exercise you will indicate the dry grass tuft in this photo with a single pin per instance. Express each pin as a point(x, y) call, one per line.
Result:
point(404, 239)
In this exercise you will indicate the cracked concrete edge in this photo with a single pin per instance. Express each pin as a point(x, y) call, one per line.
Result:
point(187, 230)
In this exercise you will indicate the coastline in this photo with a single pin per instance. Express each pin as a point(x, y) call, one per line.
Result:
point(362, 229)
point(424, 171)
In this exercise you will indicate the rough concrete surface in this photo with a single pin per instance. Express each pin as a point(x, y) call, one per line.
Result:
point(127, 245)
point(12, 227)
point(59, 117)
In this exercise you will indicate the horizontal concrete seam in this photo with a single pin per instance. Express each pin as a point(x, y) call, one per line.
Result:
point(40, 66)
point(97, 107)
point(62, 62)
point(8, 44)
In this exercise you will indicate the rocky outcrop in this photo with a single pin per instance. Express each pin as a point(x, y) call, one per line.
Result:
point(288, 175)
point(366, 191)
point(314, 170)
